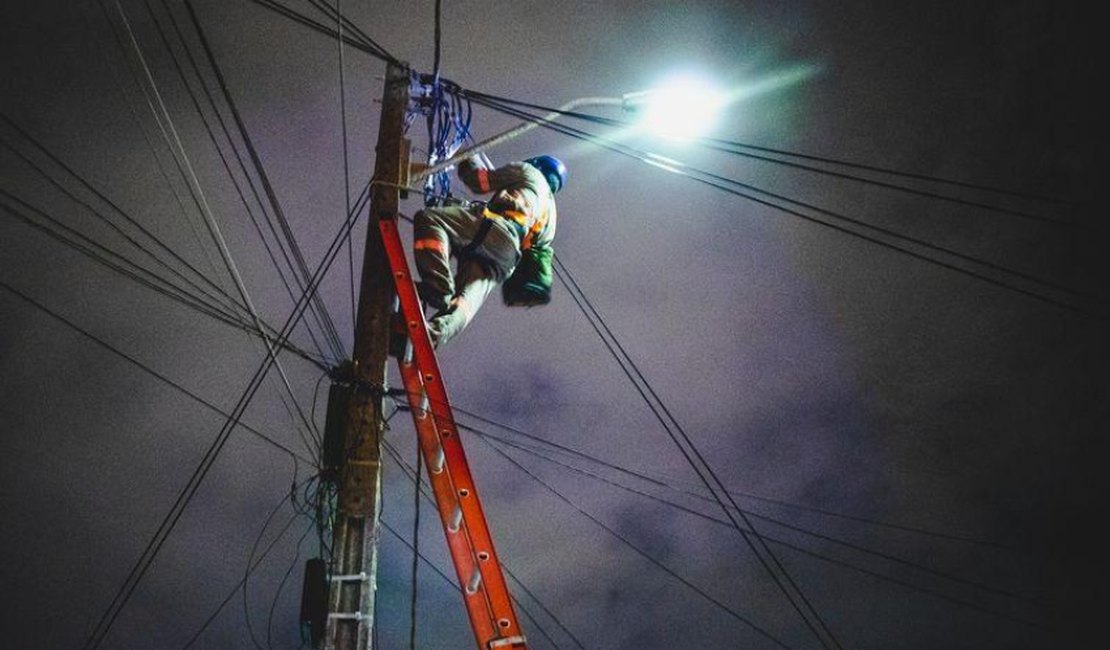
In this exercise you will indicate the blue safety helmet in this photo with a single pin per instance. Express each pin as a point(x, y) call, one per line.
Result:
point(552, 169)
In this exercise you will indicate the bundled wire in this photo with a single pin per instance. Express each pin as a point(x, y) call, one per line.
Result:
point(448, 114)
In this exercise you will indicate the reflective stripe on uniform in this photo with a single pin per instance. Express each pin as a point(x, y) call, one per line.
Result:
point(514, 218)
point(483, 180)
point(431, 243)
point(518, 217)
point(537, 228)
point(511, 215)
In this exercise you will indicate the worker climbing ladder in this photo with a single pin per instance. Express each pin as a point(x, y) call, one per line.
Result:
point(482, 584)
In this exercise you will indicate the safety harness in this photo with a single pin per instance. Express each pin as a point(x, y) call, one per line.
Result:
point(515, 219)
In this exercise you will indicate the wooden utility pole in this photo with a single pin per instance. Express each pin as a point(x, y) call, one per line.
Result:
point(353, 574)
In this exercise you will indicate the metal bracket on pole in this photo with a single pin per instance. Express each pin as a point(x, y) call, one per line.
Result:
point(354, 577)
point(354, 616)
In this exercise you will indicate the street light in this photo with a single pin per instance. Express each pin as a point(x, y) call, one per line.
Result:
point(682, 108)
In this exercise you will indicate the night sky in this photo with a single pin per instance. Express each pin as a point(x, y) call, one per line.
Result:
point(902, 392)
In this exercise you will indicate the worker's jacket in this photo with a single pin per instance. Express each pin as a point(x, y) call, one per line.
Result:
point(520, 194)
point(522, 197)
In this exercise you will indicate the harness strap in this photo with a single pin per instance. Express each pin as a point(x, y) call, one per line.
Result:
point(480, 237)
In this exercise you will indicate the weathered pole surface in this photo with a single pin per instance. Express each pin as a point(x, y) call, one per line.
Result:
point(356, 528)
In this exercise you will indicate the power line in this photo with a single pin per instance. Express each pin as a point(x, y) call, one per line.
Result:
point(697, 462)
point(281, 586)
point(215, 303)
point(122, 90)
point(799, 549)
point(718, 182)
point(415, 543)
point(250, 566)
point(346, 165)
point(412, 474)
point(136, 273)
point(663, 482)
point(219, 608)
point(107, 201)
point(644, 554)
point(256, 160)
point(336, 351)
point(210, 219)
point(362, 43)
point(125, 591)
point(385, 524)
point(732, 147)
point(147, 369)
point(124, 266)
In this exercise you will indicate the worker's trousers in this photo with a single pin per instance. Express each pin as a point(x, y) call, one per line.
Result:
point(438, 234)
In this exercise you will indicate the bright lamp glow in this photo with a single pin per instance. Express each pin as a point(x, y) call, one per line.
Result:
point(681, 109)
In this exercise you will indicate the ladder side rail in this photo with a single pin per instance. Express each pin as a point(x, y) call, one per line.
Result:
point(464, 491)
point(459, 542)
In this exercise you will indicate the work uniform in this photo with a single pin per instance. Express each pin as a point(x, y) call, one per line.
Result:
point(488, 240)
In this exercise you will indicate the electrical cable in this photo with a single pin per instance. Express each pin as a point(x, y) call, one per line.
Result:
point(123, 595)
point(227, 166)
point(372, 46)
point(100, 195)
point(250, 559)
point(256, 160)
point(366, 45)
point(410, 473)
point(202, 204)
point(389, 529)
point(697, 174)
point(124, 266)
point(701, 467)
point(415, 544)
point(174, 293)
point(644, 554)
point(147, 369)
point(281, 587)
point(728, 146)
point(663, 482)
point(802, 550)
point(346, 164)
point(550, 614)
point(707, 178)
point(881, 576)
point(122, 90)
point(227, 599)
point(214, 301)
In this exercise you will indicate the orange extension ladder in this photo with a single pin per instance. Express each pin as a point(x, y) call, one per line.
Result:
point(482, 584)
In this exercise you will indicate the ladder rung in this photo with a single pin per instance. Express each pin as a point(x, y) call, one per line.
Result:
point(487, 600)
point(456, 519)
point(439, 460)
point(474, 582)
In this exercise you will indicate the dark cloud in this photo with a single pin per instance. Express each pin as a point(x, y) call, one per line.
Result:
point(861, 398)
